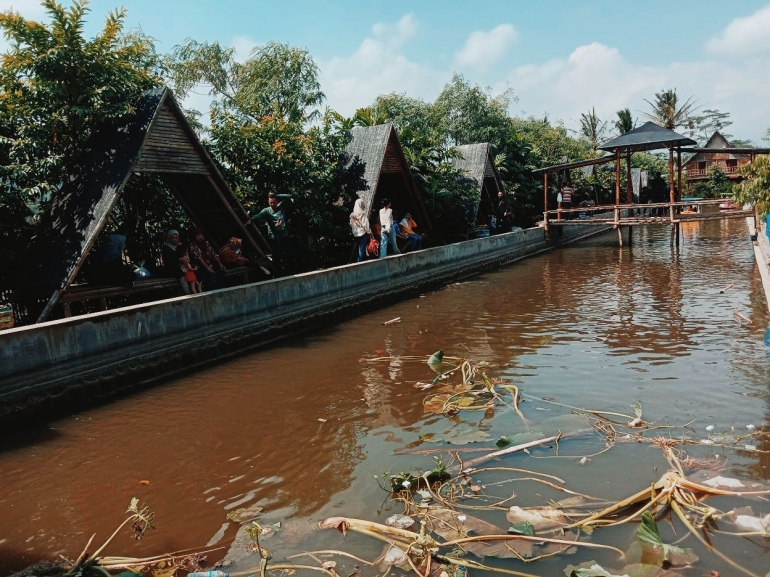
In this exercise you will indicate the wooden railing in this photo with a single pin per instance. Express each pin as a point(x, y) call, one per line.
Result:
point(705, 171)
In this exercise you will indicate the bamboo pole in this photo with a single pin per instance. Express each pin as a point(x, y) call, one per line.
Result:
point(617, 176)
point(679, 172)
point(545, 192)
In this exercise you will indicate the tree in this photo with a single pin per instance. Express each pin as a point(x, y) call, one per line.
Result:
point(667, 112)
point(702, 126)
point(625, 122)
point(56, 87)
point(276, 80)
point(592, 128)
point(755, 189)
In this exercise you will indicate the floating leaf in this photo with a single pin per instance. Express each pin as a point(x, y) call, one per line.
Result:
point(436, 357)
point(503, 442)
point(522, 529)
point(541, 518)
point(661, 552)
point(245, 514)
point(449, 525)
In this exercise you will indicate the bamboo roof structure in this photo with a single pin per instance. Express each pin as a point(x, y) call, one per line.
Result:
point(385, 170)
point(158, 139)
point(477, 164)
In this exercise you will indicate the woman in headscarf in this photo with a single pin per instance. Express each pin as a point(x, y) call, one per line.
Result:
point(359, 224)
point(210, 270)
point(171, 259)
point(230, 254)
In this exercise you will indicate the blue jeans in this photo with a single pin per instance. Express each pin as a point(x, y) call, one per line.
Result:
point(393, 243)
point(384, 245)
point(416, 241)
point(363, 242)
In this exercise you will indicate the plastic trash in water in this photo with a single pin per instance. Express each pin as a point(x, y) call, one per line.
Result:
point(208, 574)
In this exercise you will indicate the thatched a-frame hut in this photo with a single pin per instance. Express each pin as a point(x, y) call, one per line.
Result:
point(480, 173)
point(156, 139)
point(386, 172)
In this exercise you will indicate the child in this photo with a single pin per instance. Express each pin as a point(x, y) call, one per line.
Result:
point(189, 271)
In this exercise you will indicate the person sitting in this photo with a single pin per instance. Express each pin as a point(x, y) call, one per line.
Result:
point(108, 267)
point(408, 226)
point(188, 271)
point(170, 267)
point(211, 273)
point(230, 254)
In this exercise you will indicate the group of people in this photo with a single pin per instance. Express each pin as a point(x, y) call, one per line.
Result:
point(195, 262)
point(380, 238)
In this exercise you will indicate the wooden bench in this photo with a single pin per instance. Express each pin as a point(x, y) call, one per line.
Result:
point(85, 292)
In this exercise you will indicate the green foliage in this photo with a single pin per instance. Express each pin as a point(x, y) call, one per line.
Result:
point(56, 86)
point(702, 126)
point(277, 79)
point(592, 128)
point(667, 112)
point(625, 122)
point(755, 189)
point(275, 155)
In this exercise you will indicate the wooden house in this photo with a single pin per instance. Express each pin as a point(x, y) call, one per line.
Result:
point(699, 166)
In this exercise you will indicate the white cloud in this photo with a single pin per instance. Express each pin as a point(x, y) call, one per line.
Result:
point(745, 35)
point(484, 49)
point(377, 67)
point(396, 34)
point(598, 76)
point(243, 46)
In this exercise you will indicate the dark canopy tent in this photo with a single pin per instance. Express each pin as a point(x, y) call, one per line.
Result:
point(648, 136)
point(156, 139)
point(386, 171)
point(480, 173)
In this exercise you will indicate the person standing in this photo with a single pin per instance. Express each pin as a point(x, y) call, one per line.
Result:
point(386, 226)
point(503, 213)
point(276, 215)
point(566, 196)
point(359, 224)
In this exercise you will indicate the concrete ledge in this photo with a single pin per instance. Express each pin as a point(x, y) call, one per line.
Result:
point(101, 353)
point(762, 254)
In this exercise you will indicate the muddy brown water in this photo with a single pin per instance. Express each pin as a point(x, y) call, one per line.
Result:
point(302, 427)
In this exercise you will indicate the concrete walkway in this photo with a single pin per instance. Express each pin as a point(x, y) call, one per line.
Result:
point(762, 254)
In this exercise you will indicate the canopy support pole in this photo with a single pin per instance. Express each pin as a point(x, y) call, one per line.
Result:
point(617, 176)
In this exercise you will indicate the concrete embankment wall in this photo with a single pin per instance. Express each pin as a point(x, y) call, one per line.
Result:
point(105, 352)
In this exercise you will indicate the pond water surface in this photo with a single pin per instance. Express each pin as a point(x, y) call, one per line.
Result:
point(302, 427)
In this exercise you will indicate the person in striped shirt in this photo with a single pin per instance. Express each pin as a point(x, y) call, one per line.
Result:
point(566, 196)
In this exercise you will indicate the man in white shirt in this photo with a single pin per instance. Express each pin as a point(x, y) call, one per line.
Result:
point(386, 226)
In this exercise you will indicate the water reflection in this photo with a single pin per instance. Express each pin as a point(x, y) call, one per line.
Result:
point(300, 428)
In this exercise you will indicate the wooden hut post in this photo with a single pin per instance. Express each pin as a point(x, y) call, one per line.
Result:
point(545, 203)
point(679, 172)
point(617, 176)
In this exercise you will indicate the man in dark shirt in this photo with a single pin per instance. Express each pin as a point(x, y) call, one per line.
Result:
point(276, 215)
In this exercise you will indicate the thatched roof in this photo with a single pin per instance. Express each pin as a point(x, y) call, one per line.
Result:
point(157, 138)
point(379, 150)
point(717, 144)
point(476, 163)
point(648, 136)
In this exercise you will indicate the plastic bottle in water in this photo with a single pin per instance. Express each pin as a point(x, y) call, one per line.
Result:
point(208, 574)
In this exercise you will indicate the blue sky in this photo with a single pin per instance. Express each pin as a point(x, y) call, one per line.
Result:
point(560, 57)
